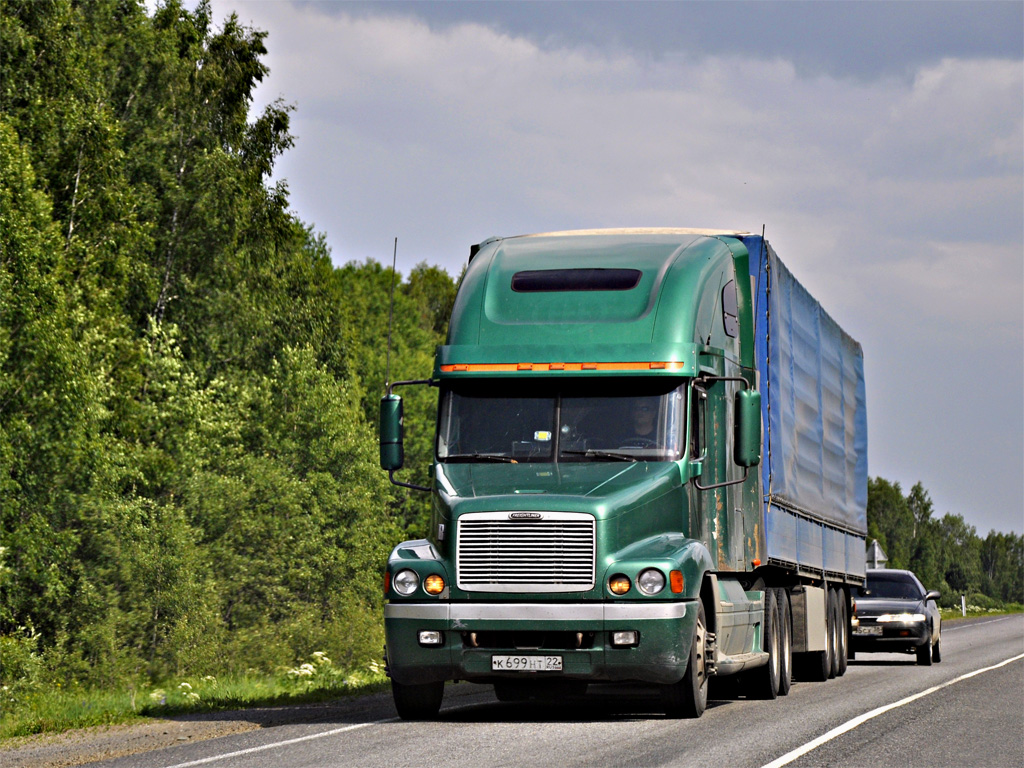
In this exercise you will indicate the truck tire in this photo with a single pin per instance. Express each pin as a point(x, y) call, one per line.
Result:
point(764, 681)
point(785, 642)
point(417, 702)
point(843, 633)
point(816, 666)
point(833, 634)
point(689, 697)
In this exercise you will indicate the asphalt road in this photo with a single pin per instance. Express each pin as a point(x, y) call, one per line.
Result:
point(886, 711)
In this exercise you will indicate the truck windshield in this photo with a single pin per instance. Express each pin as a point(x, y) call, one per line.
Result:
point(570, 421)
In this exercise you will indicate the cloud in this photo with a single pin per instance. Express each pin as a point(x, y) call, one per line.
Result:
point(499, 117)
point(898, 201)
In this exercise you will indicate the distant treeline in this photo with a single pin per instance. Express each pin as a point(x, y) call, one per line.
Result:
point(946, 553)
point(188, 386)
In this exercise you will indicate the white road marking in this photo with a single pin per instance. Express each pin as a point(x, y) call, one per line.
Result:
point(851, 724)
point(976, 624)
point(299, 739)
point(276, 744)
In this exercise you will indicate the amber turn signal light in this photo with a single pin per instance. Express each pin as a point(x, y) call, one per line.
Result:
point(618, 584)
point(433, 585)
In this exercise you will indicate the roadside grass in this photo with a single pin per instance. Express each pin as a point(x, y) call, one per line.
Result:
point(38, 709)
point(975, 611)
point(54, 710)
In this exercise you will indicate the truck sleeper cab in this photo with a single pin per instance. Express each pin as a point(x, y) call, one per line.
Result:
point(595, 515)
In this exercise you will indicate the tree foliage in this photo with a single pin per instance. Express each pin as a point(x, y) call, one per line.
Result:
point(945, 553)
point(188, 386)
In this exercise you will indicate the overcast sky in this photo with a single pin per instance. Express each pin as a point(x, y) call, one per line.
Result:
point(880, 144)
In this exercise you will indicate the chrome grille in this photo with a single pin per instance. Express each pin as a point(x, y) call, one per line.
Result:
point(552, 553)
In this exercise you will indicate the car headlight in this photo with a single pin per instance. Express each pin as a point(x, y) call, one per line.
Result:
point(406, 582)
point(904, 618)
point(650, 581)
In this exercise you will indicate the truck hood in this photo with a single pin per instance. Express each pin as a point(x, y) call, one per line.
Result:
point(616, 485)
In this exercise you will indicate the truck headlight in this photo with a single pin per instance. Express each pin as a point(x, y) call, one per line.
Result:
point(650, 581)
point(406, 582)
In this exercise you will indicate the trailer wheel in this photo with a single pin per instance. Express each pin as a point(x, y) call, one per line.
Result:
point(417, 702)
point(833, 634)
point(785, 642)
point(689, 697)
point(843, 633)
point(764, 681)
point(817, 665)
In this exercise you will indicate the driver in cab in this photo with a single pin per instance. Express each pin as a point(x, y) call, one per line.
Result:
point(643, 417)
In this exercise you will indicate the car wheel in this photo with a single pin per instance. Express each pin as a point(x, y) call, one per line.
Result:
point(936, 653)
point(417, 702)
point(689, 697)
point(924, 652)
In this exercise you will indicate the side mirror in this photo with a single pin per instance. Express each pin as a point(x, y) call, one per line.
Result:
point(392, 451)
point(747, 447)
point(932, 595)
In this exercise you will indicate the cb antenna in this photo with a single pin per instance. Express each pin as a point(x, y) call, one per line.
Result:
point(391, 316)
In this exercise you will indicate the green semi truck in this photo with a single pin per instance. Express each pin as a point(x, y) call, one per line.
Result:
point(650, 466)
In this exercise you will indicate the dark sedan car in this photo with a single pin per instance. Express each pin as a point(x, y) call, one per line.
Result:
point(894, 612)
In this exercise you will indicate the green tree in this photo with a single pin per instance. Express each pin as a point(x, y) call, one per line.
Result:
point(890, 521)
point(49, 409)
point(1002, 563)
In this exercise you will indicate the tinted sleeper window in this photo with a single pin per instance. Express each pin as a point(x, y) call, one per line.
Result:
point(549, 280)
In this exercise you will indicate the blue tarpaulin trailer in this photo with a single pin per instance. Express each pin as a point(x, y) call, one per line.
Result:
point(814, 460)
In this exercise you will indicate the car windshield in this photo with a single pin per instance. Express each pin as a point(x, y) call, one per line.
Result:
point(570, 421)
point(891, 587)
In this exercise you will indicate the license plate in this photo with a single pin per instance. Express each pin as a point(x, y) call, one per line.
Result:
point(526, 663)
point(867, 630)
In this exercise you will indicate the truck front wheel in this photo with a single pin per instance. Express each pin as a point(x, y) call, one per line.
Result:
point(689, 697)
point(418, 702)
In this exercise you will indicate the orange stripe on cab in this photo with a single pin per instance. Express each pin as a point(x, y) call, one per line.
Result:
point(514, 367)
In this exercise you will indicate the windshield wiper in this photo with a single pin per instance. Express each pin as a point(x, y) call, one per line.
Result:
point(481, 457)
point(602, 454)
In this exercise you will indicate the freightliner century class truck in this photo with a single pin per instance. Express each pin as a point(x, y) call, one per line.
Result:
point(650, 466)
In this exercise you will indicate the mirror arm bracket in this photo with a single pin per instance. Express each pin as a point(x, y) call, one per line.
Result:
point(708, 379)
point(392, 385)
point(746, 470)
point(699, 487)
point(391, 477)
